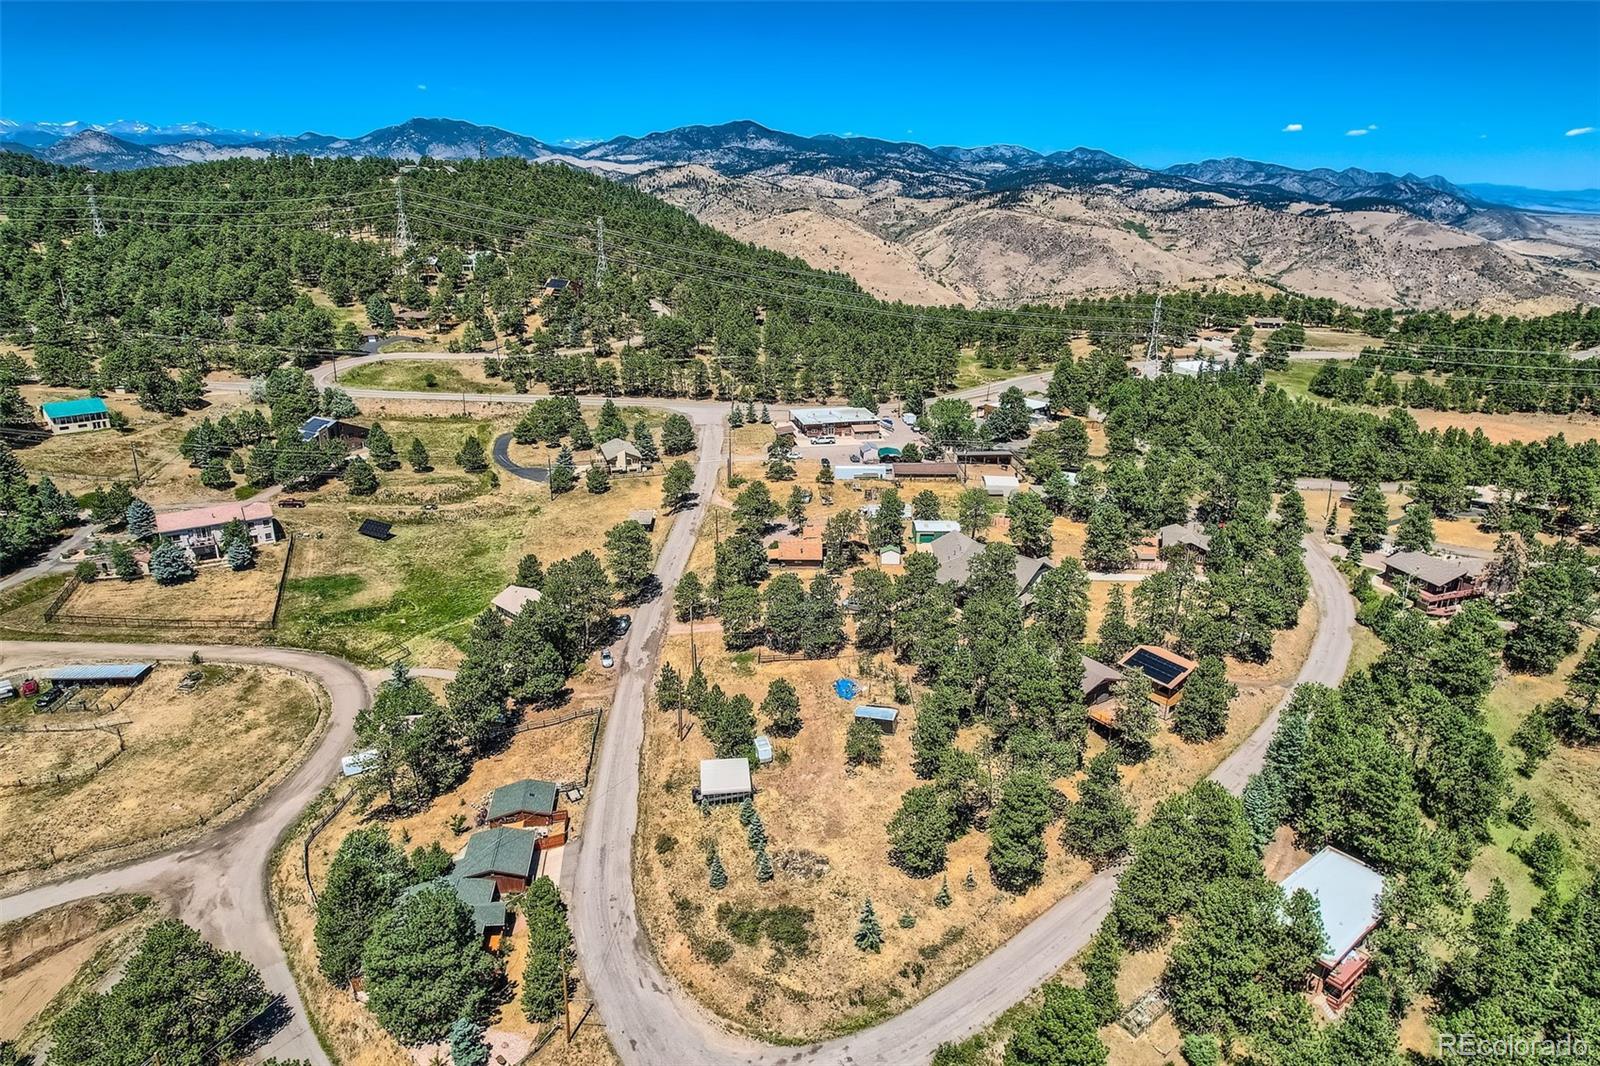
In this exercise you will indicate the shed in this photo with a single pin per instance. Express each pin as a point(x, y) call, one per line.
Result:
point(928, 470)
point(763, 750)
point(724, 780)
point(890, 556)
point(928, 530)
point(1001, 484)
point(100, 674)
point(883, 717)
point(647, 518)
point(371, 527)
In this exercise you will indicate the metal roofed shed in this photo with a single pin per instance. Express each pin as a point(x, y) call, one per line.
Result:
point(1346, 890)
point(724, 780)
point(863, 472)
point(884, 717)
point(100, 674)
point(371, 527)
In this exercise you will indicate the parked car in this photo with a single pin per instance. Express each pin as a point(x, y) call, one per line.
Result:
point(886, 423)
point(909, 419)
point(290, 501)
point(826, 438)
point(792, 455)
point(623, 623)
point(605, 658)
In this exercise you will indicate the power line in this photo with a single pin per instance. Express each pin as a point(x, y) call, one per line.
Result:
point(99, 227)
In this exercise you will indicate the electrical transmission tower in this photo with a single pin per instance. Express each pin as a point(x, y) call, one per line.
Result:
point(402, 229)
point(1155, 332)
point(94, 212)
point(600, 249)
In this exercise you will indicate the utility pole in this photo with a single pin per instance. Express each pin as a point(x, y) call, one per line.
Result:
point(136, 477)
point(566, 993)
point(94, 212)
point(402, 229)
point(1155, 331)
point(600, 249)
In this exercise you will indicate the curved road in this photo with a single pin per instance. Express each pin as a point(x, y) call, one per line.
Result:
point(219, 882)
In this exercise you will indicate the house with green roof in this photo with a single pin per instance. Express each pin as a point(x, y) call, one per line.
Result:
point(503, 855)
point(524, 803)
point(481, 896)
point(76, 416)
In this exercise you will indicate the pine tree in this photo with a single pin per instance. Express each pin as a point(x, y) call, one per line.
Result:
point(718, 878)
point(467, 1046)
point(645, 442)
point(763, 866)
point(1369, 518)
point(747, 811)
point(970, 882)
point(1415, 532)
point(359, 477)
point(169, 564)
point(417, 456)
point(239, 556)
point(907, 920)
point(141, 521)
point(471, 458)
point(869, 931)
point(1100, 968)
point(1116, 636)
point(1136, 717)
point(530, 574)
point(942, 898)
point(598, 479)
point(1202, 711)
point(1098, 827)
point(756, 832)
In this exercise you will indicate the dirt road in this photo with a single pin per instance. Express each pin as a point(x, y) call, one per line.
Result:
point(219, 883)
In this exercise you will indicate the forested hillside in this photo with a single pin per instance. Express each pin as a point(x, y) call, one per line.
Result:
point(232, 252)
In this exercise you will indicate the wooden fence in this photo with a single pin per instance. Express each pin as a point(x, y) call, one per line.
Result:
point(60, 601)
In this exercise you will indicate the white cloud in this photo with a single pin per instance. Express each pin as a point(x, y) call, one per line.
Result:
point(1355, 133)
point(1373, 126)
point(422, 88)
point(1580, 131)
point(1293, 127)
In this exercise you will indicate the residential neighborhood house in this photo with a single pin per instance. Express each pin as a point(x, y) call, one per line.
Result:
point(1440, 585)
point(622, 456)
point(1346, 890)
point(199, 529)
point(76, 416)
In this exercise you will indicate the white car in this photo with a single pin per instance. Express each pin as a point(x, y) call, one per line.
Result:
point(826, 438)
point(909, 419)
point(605, 658)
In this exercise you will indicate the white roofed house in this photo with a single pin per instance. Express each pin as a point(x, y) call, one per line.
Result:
point(199, 529)
point(1346, 891)
point(835, 421)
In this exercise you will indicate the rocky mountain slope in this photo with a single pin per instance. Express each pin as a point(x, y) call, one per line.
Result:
point(1003, 224)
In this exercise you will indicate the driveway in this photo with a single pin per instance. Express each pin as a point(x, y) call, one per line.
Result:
point(502, 459)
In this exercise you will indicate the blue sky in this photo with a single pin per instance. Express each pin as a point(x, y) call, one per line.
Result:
point(1475, 91)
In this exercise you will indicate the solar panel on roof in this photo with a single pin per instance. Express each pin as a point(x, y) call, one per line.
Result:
point(1159, 670)
point(371, 527)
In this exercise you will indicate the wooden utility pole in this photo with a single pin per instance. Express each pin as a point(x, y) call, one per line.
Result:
point(134, 449)
point(566, 993)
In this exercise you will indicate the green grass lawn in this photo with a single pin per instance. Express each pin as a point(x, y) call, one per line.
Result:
point(423, 376)
point(971, 373)
point(1296, 380)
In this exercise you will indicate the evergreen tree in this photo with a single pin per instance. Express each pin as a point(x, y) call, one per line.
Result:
point(1136, 717)
point(925, 504)
point(359, 477)
point(417, 456)
point(1108, 543)
point(169, 564)
point(1369, 518)
point(756, 832)
point(628, 556)
point(869, 931)
point(645, 442)
point(920, 831)
point(424, 966)
point(239, 556)
point(863, 743)
point(972, 511)
point(141, 521)
point(677, 435)
point(1060, 1032)
point(1098, 827)
point(781, 708)
point(1116, 636)
point(1016, 831)
point(471, 458)
point(1030, 525)
point(763, 865)
point(1415, 532)
point(677, 486)
point(1100, 969)
point(598, 479)
point(717, 875)
point(1202, 710)
point(562, 480)
point(544, 974)
point(942, 898)
point(467, 1046)
point(530, 574)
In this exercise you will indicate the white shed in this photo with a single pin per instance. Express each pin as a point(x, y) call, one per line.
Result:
point(1000, 485)
point(724, 780)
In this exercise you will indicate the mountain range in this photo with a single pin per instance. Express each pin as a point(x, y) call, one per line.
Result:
point(1002, 224)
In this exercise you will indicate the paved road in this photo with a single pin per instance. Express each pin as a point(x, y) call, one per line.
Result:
point(52, 562)
point(651, 1021)
point(219, 883)
point(502, 459)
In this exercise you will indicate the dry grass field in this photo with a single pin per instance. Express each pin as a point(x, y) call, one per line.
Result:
point(79, 462)
point(216, 595)
point(559, 753)
point(821, 814)
point(50, 959)
point(419, 375)
point(189, 758)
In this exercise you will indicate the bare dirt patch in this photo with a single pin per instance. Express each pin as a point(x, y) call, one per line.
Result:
point(189, 759)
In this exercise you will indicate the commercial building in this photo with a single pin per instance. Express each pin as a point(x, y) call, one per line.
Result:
point(816, 422)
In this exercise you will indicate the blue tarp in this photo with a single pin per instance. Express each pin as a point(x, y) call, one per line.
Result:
point(844, 688)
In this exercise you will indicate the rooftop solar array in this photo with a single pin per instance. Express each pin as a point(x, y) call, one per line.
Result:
point(1161, 671)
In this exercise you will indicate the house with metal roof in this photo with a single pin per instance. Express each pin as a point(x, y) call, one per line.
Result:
point(835, 421)
point(510, 600)
point(724, 780)
point(795, 551)
point(481, 896)
point(527, 802)
point(76, 416)
point(1190, 535)
point(504, 855)
point(1098, 681)
point(198, 530)
point(1346, 891)
point(1440, 585)
point(884, 718)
